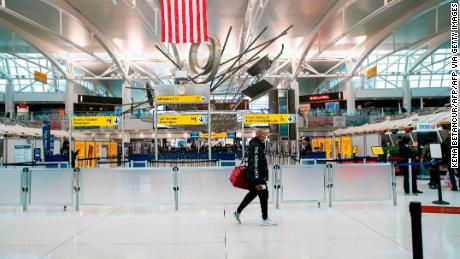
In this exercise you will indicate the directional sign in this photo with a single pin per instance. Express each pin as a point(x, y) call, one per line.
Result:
point(95, 121)
point(214, 135)
point(182, 119)
point(269, 118)
point(181, 99)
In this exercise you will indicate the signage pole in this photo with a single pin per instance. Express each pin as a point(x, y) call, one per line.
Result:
point(123, 140)
point(155, 123)
point(297, 136)
point(209, 131)
point(70, 141)
point(242, 136)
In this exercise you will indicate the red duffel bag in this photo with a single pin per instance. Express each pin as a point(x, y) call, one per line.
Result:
point(238, 177)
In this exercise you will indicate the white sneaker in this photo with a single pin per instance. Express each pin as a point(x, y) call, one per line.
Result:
point(267, 222)
point(237, 217)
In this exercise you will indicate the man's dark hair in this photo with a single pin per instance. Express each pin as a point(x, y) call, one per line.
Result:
point(405, 140)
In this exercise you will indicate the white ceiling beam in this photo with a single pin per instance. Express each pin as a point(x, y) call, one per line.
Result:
point(308, 43)
point(44, 48)
point(433, 44)
point(374, 41)
point(16, 15)
point(108, 46)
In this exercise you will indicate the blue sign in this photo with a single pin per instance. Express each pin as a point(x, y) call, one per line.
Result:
point(46, 131)
point(194, 134)
point(52, 144)
point(37, 154)
point(231, 134)
point(426, 127)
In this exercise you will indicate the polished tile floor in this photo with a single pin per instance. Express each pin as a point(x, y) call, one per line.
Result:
point(349, 230)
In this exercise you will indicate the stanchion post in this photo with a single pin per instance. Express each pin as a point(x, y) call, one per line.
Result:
point(330, 184)
point(409, 168)
point(277, 185)
point(415, 209)
point(438, 181)
point(25, 187)
point(155, 127)
point(176, 187)
point(393, 184)
point(77, 188)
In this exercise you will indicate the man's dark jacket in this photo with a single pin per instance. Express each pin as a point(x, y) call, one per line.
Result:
point(406, 153)
point(446, 151)
point(257, 162)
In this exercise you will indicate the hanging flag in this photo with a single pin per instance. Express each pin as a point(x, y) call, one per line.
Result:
point(183, 21)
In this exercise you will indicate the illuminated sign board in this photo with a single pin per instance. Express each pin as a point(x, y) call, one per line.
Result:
point(252, 119)
point(182, 119)
point(321, 97)
point(181, 99)
point(426, 127)
point(214, 135)
point(95, 121)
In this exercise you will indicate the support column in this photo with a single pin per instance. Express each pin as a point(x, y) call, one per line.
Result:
point(126, 98)
point(351, 105)
point(69, 98)
point(9, 99)
point(295, 87)
point(407, 94)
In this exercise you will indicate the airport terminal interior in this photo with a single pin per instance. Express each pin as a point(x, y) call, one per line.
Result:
point(145, 128)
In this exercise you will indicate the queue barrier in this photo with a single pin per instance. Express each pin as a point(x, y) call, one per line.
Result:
point(192, 185)
point(362, 182)
point(11, 183)
point(201, 185)
point(125, 186)
point(51, 186)
point(304, 183)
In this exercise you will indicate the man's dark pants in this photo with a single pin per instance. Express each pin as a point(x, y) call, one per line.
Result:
point(263, 197)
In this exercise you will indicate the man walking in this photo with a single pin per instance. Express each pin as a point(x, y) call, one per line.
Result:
point(257, 176)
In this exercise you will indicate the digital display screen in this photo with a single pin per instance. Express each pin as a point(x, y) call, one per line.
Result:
point(37, 154)
point(231, 134)
point(321, 97)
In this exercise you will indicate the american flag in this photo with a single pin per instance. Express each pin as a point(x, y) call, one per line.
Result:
point(183, 21)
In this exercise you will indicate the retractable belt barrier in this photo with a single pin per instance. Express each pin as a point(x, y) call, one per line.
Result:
point(433, 163)
point(416, 209)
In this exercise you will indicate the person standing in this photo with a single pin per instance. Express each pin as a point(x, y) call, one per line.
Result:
point(434, 170)
point(257, 177)
point(446, 152)
point(306, 147)
point(405, 152)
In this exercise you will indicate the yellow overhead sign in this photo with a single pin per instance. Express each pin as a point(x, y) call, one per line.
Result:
point(180, 99)
point(40, 77)
point(269, 118)
point(214, 135)
point(182, 119)
point(371, 72)
point(95, 121)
